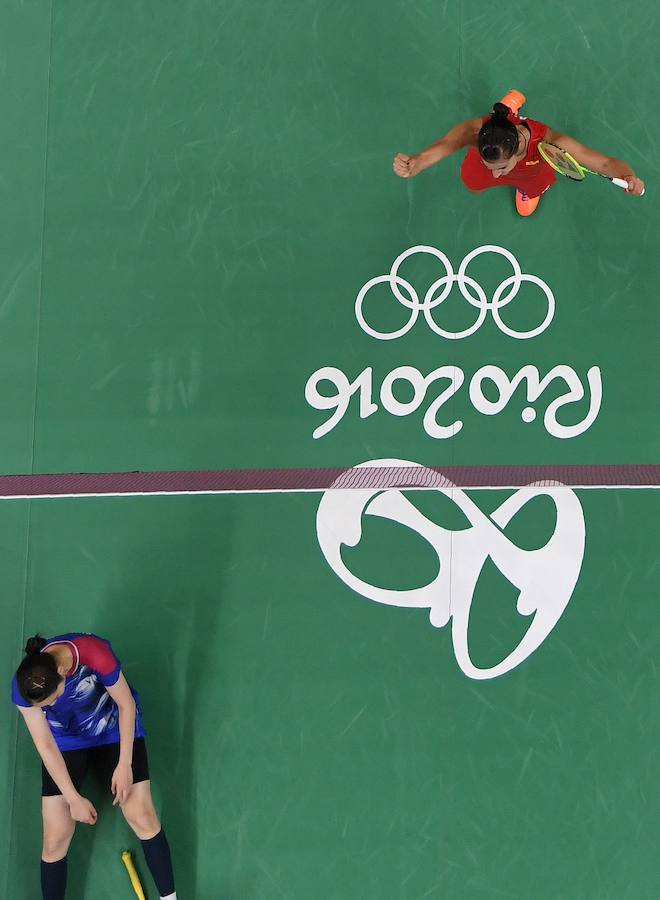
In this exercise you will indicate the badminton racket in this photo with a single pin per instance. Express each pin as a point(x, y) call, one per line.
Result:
point(562, 161)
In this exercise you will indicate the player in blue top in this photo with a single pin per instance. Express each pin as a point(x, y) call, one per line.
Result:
point(81, 713)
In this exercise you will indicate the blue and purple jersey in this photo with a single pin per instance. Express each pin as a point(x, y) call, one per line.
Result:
point(85, 715)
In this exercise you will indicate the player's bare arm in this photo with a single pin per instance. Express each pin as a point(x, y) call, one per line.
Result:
point(462, 135)
point(592, 159)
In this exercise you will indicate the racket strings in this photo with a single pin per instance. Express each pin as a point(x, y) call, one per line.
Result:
point(561, 162)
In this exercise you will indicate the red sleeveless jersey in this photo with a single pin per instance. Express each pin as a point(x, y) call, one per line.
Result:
point(532, 175)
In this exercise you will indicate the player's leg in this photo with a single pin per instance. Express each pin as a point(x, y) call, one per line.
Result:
point(141, 815)
point(514, 100)
point(58, 827)
point(525, 205)
point(58, 830)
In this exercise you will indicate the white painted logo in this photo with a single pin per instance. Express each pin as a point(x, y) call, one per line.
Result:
point(442, 383)
point(441, 288)
point(545, 578)
point(331, 389)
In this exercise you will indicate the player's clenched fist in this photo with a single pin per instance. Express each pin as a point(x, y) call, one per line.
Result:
point(405, 166)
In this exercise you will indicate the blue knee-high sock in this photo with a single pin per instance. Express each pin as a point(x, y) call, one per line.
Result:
point(157, 855)
point(53, 879)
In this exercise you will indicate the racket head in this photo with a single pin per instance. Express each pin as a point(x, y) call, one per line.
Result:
point(561, 161)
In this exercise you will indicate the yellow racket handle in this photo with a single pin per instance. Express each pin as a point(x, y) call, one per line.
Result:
point(127, 859)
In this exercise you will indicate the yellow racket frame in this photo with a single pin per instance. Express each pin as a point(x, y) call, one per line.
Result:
point(548, 155)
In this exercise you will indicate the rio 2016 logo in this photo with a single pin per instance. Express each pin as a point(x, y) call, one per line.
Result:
point(545, 577)
point(448, 379)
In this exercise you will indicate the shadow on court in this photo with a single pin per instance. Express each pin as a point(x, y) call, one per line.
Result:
point(165, 629)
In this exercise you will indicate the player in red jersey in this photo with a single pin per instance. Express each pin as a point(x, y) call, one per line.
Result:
point(503, 150)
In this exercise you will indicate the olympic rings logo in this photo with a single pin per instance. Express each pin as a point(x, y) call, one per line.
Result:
point(441, 289)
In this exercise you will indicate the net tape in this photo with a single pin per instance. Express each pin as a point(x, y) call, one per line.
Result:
point(362, 477)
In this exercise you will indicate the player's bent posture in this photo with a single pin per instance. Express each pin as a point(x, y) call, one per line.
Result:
point(81, 713)
point(503, 150)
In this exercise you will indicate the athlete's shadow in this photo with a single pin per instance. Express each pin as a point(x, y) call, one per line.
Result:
point(164, 624)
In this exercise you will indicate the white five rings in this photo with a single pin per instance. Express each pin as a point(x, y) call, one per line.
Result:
point(441, 289)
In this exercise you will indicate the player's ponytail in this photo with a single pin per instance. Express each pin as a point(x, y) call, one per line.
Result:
point(35, 645)
point(498, 136)
point(37, 676)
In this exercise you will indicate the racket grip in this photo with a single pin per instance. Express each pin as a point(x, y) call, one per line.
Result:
point(620, 182)
point(127, 859)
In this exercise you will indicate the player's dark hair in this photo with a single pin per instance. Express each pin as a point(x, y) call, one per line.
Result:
point(498, 137)
point(37, 676)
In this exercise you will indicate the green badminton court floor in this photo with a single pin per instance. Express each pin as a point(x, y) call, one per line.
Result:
point(193, 196)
